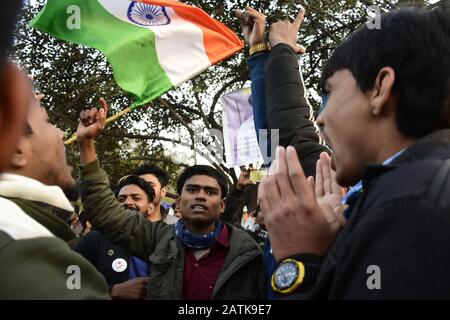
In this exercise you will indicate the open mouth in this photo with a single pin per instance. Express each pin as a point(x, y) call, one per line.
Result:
point(199, 207)
point(327, 141)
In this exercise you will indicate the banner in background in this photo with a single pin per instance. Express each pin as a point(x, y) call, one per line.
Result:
point(241, 144)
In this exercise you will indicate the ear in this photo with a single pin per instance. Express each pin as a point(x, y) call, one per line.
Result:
point(15, 99)
point(163, 192)
point(223, 205)
point(382, 90)
point(151, 208)
point(177, 201)
point(19, 158)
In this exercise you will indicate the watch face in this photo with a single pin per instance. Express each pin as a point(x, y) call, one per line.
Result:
point(285, 275)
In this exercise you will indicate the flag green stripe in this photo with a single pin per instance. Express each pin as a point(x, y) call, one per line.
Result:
point(130, 50)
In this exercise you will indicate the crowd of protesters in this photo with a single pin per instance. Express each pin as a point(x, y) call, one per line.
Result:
point(356, 203)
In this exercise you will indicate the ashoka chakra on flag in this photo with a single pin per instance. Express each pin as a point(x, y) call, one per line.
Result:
point(152, 45)
point(147, 15)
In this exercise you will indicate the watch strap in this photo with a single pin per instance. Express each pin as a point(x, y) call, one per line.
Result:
point(309, 268)
point(312, 265)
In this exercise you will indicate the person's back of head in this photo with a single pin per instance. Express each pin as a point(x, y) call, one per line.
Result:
point(8, 11)
point(158, 178)
point(415, 43)
point(160, 174)
point(15, 87)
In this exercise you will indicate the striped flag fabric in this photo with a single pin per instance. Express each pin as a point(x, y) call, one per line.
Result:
point(152, 46)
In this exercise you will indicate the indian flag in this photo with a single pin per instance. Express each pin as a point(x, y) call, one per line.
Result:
point(152, 46)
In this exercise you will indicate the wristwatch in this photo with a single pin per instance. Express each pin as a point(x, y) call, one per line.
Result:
point(292, 273)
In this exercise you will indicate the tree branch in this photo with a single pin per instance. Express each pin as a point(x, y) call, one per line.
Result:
point(142, 137)
point(216, 99)
point(177, 116)
point(144, 158)
point(199, 106)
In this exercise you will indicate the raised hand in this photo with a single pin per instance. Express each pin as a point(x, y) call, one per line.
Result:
point(296, 222)
point(244, 179)
point(327, 190)
point(92, 122)
point(285, 31)
point(253, 24)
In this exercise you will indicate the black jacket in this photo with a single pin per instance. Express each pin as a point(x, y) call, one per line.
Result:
point(101, 252)
point(288, 108)
point(401, 225)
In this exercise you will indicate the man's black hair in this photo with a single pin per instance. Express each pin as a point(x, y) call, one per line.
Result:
point(160, 174)
point(415, 42)
point(203, 170)
point(9, 11)
point(141, 183)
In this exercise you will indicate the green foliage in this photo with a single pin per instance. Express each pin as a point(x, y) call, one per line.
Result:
point(74, 77)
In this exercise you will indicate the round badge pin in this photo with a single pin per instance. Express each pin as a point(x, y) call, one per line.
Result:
point(119, 265)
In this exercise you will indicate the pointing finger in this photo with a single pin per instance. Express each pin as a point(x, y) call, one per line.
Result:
point(299, 19)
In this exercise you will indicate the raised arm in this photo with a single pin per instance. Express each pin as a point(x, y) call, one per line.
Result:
point(288, 109)
point(122, 226)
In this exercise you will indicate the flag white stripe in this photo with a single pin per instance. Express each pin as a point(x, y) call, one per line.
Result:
point(179, 44)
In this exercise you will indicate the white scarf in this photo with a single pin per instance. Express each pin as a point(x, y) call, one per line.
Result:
point(15, 186)
point(18, 224)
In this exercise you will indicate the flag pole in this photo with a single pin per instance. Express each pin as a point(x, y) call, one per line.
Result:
point(73, 138)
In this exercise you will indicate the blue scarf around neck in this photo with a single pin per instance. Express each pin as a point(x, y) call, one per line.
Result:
point(193, 241)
